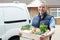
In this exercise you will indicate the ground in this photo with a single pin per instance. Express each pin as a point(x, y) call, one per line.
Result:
point(56, 36)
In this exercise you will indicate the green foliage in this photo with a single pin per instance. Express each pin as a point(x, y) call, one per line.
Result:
point(43, 28)
point(25, 27)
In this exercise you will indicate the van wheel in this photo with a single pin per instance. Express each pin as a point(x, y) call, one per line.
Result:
point(16, 37)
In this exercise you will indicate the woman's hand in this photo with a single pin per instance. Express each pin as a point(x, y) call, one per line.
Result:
point(42, 37)
point(20, 34)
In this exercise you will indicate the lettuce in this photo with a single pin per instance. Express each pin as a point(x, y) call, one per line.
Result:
point(43, 28)
point(25, 27)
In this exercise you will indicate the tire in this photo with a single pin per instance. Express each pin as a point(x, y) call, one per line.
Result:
point(16, 37)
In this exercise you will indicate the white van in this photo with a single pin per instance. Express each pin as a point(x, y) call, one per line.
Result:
point(12, 17)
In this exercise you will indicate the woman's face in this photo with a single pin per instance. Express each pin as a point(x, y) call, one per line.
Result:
point(42, 8)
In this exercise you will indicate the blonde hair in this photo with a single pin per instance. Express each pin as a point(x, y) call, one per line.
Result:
point(42, 1)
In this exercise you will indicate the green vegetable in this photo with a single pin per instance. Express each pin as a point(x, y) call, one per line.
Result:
point(25, 27)
point(43, 28)
point(39, 33)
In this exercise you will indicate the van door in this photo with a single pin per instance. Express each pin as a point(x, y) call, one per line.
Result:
point(2, 28)
point(15, 16)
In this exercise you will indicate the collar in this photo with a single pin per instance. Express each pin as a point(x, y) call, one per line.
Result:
point(43, 16)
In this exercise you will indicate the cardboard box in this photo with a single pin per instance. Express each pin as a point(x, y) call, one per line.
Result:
point(28, 36)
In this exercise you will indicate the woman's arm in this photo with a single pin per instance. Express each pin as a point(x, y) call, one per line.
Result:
point(51, 32)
